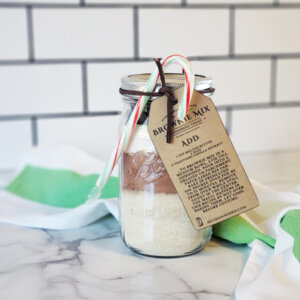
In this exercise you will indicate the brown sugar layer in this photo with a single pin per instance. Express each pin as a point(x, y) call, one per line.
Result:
point(145, 171)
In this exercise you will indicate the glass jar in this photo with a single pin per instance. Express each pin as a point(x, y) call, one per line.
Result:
point(153, 220)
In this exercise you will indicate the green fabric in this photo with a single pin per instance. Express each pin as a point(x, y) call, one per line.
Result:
point(239, 231)
point(60, 188)
point(291, 224)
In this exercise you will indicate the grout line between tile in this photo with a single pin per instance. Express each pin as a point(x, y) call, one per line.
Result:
point(231, 31)
point(145, 59)
point(184, 3)
point(34, 131)
point(228, 123)
point(30, 34)
point(265, 105)
point(85, 98)
point(273, 82)
point(136, 32)
point(58, 115)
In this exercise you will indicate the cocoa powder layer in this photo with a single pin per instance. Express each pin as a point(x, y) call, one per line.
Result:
point(145, 171)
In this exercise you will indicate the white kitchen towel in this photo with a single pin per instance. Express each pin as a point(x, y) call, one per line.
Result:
point(274, 273)
point(45, 172)
point(50, 188)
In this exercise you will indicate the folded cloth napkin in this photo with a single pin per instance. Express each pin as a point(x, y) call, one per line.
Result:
point(51, 186)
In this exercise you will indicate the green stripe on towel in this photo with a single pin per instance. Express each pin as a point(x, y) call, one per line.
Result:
point(239, 231)
point(291, 224)
point(60, 188)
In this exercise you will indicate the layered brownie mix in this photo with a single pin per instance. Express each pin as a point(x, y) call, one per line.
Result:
point(144, 171)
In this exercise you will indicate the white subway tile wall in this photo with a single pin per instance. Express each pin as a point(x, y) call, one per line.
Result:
point(271, 31)
point(78, 33)
point(288, 80)
point(39, 89)
point(13, 42)
point(96, 136)
point(15, 137)
point(104, 82)
point(61, 63)
point(238, 81)
point(186, 31)
point(265, 128)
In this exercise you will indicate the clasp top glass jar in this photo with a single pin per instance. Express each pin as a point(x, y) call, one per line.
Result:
point(152, 217)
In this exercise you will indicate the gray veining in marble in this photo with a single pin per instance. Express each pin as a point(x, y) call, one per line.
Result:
point(93, 263)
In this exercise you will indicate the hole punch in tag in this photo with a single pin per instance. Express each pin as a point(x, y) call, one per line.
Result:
point(201, 161)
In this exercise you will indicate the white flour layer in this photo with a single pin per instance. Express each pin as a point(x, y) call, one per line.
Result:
point(157, 224)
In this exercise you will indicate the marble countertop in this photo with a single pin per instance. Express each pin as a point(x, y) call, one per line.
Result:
point(93, 263)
